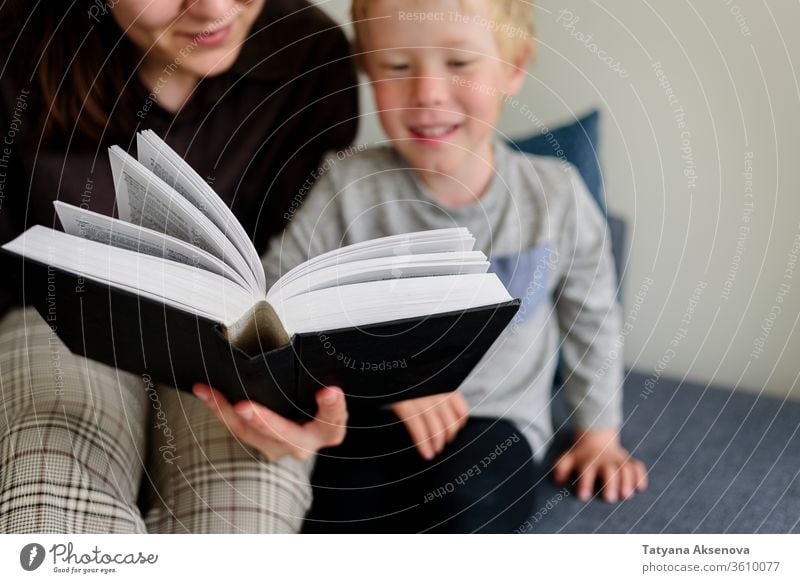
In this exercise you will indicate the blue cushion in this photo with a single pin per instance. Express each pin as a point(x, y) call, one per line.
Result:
point(578, 144)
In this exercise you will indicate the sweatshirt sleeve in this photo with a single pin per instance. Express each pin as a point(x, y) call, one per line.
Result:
point(589, 316)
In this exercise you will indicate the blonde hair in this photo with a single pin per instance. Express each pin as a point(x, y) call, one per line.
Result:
point(511, 21)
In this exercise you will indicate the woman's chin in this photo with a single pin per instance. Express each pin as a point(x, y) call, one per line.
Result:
point(212, 64)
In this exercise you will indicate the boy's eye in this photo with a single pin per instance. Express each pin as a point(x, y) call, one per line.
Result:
point(395, 66)
point(458, 63)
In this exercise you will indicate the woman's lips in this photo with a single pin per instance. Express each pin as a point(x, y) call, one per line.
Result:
point(210, 38)
point(434, 133)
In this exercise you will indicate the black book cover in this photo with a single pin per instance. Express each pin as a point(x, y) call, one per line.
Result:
point(374, 365)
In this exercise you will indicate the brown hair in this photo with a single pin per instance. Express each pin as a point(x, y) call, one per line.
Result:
point(512, 24)
point(81, 62)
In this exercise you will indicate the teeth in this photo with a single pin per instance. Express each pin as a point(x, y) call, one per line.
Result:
point(434, 131)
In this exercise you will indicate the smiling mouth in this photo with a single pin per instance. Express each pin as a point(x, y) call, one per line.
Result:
point(434, 132)
point(210, 37)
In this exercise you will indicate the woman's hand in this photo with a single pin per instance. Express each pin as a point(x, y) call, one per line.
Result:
point(433, 421)
point(275, 436)
point(598, 453)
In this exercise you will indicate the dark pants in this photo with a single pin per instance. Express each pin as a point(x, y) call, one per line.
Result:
point(376, 481)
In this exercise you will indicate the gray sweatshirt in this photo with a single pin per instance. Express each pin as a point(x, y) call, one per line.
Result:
point(547, 241)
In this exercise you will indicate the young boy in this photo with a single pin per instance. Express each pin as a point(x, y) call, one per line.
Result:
point(440, 71)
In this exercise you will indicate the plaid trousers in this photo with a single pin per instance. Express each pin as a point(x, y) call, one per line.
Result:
point(78, 439)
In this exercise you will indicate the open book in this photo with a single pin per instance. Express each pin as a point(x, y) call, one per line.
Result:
point(178, 273)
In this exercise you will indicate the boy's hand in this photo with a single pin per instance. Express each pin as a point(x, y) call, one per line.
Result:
point(598, 453)
point(275, 436)
point(433, 421)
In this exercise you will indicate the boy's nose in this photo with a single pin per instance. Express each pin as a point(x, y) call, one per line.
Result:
point(429, 90)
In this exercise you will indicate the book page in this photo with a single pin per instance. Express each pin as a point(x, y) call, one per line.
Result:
point(110, 231)
point(165, 163)
point(184, 287)
point(393, 267)
point(371, 302)
point(144, 199)
point(457, 239)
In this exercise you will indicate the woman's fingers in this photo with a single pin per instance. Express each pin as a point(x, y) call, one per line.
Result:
point(327, 429)
point(239, 427)
point(218, 405)
point(329, 426)
point(268, 425)
point(275, 435)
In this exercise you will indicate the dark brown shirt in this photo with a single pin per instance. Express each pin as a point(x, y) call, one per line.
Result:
point(257, 133)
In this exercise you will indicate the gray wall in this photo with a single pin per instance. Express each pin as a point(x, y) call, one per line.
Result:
point(709, 179)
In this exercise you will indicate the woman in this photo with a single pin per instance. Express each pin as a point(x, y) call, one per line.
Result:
point(251, 94)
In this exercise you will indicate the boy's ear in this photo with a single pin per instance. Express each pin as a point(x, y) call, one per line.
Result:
point(518, 68)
